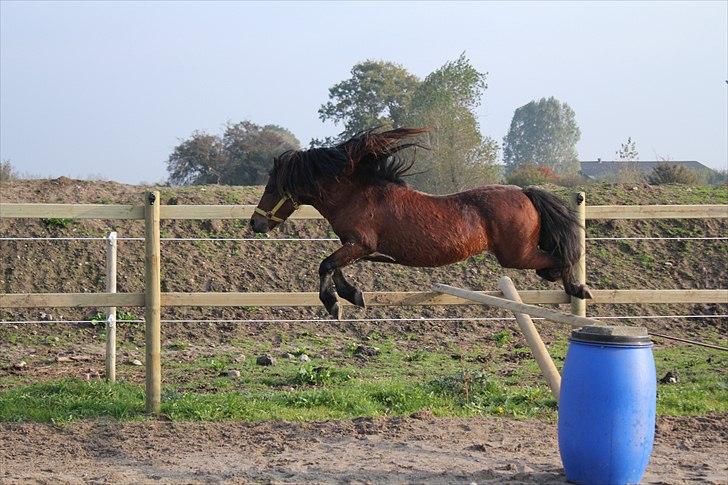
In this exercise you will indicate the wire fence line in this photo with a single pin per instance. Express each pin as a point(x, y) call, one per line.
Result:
point(314, 239)
point(353, 320)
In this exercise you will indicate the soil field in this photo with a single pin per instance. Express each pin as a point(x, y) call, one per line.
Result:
point(415, 449)
point(440, 397)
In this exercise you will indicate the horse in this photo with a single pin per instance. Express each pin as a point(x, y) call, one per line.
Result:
point(357, 186)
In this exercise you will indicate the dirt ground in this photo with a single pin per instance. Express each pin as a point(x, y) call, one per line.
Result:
point(415, 449)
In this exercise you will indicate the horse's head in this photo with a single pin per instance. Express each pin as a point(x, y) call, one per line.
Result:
point(275, 206)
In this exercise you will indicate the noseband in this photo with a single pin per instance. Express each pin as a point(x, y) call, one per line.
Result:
point(271, 214)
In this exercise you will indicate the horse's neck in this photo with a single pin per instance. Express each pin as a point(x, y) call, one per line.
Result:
point(330, 199)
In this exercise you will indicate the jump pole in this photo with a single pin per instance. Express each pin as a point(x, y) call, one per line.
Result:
point(152, 302)
point(545, 363)
point(533, 310)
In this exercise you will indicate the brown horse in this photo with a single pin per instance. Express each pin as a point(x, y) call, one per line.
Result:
point(357, 186)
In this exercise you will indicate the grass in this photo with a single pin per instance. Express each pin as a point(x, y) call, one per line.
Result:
point(394, 382)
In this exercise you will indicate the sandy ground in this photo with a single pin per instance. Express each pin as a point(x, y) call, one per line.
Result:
point(417, 449)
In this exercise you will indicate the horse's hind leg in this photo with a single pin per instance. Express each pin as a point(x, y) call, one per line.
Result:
point(549, 274)
point(572, 287)
point(551, 269)
point(346, 290)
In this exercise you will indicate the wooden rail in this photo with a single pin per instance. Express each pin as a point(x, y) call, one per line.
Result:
point(188, 212)
point(372, 298)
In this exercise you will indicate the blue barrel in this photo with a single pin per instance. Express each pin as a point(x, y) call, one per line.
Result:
point(607, 405)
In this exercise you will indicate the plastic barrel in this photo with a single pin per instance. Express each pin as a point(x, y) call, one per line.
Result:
point(607, 405)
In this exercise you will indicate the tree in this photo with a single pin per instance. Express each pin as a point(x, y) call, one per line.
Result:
point(202, 159)
point(385, 94)
point(7, 171)
point(543, 132)
point(252, 149)
point(460, 157)
point(243, 156)
point(628, 151)
point(378, 93)
point(629, 172)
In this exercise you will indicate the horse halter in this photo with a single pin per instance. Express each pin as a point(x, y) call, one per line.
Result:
point(271, 214)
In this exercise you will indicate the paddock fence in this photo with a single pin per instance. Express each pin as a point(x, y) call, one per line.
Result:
point(152, 299)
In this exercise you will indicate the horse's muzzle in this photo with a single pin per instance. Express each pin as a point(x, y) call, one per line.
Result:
point(259, 226)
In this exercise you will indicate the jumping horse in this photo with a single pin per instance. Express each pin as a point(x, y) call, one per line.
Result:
point(357, 187)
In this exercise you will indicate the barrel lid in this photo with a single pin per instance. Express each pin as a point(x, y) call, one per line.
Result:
point(608, 334)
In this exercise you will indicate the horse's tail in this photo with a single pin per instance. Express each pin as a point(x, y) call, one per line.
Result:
point(560, 230)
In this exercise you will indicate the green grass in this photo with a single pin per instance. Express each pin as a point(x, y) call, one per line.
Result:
point(395, 382)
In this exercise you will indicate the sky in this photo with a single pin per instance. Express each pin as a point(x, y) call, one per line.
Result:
point(106, 90)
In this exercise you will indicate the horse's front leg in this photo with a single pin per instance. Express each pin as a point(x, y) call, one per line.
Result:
point(346, 290)
point(343, 256)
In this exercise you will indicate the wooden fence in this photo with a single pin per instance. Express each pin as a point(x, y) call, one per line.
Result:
point(151, 212)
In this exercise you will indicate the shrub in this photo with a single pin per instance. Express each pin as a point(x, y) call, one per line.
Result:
point(672, 173)
point(532, 174)
point(7, 172)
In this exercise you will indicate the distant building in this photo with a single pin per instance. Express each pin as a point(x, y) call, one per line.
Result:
point(594, 170)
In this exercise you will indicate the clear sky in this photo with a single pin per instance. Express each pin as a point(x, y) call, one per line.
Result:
point(108, 89)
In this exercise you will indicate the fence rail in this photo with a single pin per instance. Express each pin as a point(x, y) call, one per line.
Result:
point(196, 212)
point(151, 211)
point(372, 298)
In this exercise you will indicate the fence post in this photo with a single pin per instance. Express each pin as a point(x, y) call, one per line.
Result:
point(578, 306)
point(111, 311)
point(538, 348)
point(152, 298)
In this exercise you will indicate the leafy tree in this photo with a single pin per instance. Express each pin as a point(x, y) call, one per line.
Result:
point(243, 156)
point(378, 93)
point(201, 159)
point(543, 132)
point(252, 149)
point(460, 157)
point(385, 94)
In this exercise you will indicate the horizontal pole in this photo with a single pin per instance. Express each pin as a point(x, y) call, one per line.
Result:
point(372, 298)
point(182, 212)
point(70, 211)
point(516, 307)
point(70, 300)
point(716, 211)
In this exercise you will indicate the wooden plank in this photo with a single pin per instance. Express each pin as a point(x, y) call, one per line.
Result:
point(374, 298)
point(516, 307)
point(659, 296)
point(716, 211)
point(71, 211)
point(152, 303)
point(182, 212)
point(306, 299)
point(70, 300)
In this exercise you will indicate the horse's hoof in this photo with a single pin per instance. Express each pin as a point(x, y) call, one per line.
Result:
point(335, 311)
point(358, 299)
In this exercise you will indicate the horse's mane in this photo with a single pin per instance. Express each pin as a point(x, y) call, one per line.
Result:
point(371, 156)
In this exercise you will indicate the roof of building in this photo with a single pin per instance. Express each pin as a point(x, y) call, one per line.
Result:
point(598, 168)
